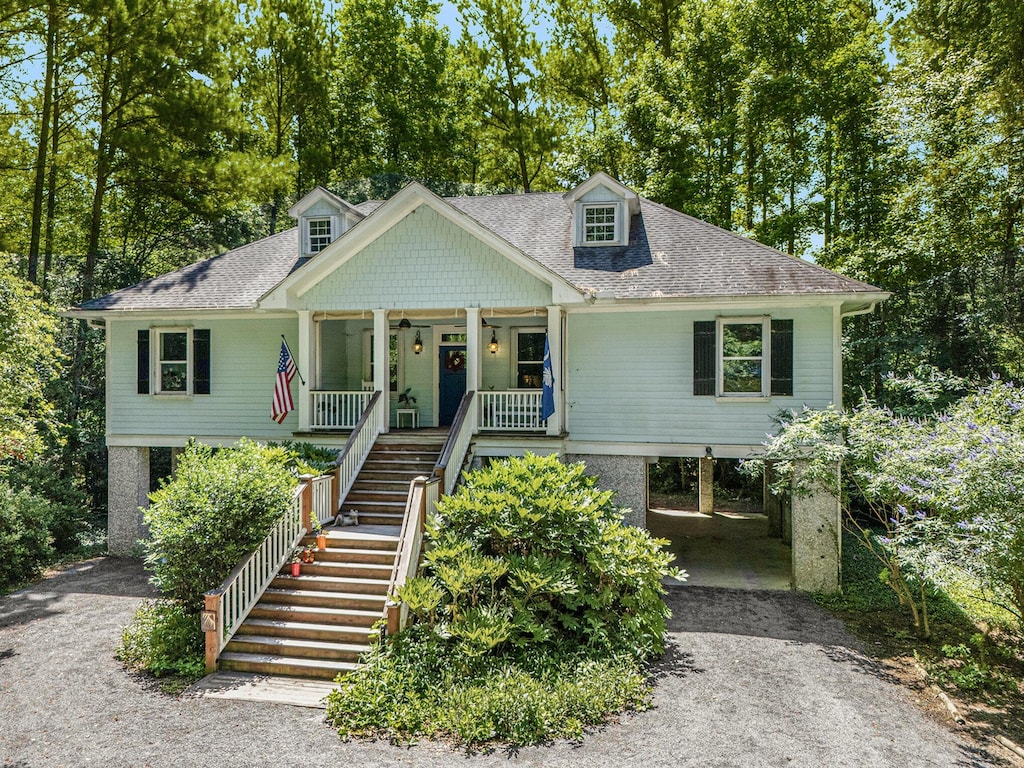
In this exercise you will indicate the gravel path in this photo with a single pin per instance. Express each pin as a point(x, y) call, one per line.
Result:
point(750, 679)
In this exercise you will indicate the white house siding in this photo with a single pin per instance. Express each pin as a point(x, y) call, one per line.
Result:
point(630, 379)
point(243, 368)
point(426, 262)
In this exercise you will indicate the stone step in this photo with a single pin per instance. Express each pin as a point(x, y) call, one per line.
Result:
point(336, 601)
point(290, 647)
point(285, 667)
point(307, 630)
point(313, 614)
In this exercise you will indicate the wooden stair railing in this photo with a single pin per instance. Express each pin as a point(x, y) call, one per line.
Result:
point(449, 464)
point(423, 495)
point(359, 445)
point(227, 606)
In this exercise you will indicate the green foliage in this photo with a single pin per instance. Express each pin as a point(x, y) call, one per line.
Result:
point(29, 361)
point(307, 458)
point(415, 686)
point(25, 540)
point(945, 490)
point(218, 507)
point(164, 639)
point(536, 608)
point(535, 543)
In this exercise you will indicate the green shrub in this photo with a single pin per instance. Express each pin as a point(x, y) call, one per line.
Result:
point(163, 638)
point(416, 687)
point(528, 551)
point(309, 459)
point(25, 542)
point(537, 606)
point(217, 509)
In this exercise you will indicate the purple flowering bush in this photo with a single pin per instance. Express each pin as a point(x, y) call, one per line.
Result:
point(927, 495)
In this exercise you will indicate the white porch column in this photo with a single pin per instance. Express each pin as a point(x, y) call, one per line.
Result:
point(474, 368)
point(382, 360)
point(557, 420)
point(305, 366)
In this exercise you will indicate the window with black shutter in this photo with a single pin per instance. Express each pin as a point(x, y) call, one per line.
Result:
point(734, 348)
point(704, 357)
point(201, 361)
point(143, 362)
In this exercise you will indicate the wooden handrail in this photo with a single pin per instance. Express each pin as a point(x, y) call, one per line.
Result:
point(423, 492)
point(354, 435)
point(465, 411)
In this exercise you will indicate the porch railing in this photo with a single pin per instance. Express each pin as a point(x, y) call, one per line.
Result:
point(423, 495)
point(513, 410)
point(338, 409)
point(359, 443)
point(227, 606)
point(453, 454)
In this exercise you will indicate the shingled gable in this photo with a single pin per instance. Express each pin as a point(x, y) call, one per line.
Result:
point(386, 215)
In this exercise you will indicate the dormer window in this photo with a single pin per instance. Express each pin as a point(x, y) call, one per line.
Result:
point(599, 224)
point(320, 234)
point(601, 210)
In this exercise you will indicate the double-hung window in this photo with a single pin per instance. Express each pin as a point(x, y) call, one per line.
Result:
point(600, 224)
point(743, 346)
point(320, 234)
point(743, 357)
point(174, 361)
point(529, 357)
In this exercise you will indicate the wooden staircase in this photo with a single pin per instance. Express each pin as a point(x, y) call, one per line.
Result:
point(318, 624)
point(382, 486)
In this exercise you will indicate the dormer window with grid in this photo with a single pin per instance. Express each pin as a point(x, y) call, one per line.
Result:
point(599, 224)
point(319, 234)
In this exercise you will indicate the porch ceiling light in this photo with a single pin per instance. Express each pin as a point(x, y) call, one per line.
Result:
point(404, 324)
point(493, 346)
point(417, 346)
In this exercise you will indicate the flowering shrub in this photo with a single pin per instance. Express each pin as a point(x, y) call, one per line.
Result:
point(947, 489)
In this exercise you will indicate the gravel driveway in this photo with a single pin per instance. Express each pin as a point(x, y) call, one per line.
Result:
point(750, 679)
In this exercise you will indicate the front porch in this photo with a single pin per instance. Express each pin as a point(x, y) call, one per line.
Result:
point(434, 358)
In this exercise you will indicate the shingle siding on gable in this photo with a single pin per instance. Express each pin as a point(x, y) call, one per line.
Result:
point(425, 262)
point(630, 379)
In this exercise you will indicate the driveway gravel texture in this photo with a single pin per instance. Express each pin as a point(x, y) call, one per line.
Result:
point(749, 679)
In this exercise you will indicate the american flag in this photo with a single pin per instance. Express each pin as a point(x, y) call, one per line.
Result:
point(286, 371)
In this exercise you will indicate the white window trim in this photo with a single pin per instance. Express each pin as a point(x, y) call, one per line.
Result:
point(155, 378)
point(514, 355)
point(765, 357)
point(367, 354)
point(331, 232)
point(581, 230)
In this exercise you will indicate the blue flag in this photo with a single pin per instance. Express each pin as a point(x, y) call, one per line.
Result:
point(547, 398)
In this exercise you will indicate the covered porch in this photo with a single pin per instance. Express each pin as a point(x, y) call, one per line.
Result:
point(434, 358)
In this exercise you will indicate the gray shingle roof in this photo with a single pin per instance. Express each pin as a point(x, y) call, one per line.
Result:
point(670, 255)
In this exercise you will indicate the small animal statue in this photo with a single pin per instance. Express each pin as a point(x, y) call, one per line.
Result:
point(352, 518)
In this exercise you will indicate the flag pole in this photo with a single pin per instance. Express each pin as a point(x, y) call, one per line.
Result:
point(293, 359)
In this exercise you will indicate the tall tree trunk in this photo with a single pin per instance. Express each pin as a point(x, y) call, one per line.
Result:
point(103, 162)
point(44, 143)
point(51, 187)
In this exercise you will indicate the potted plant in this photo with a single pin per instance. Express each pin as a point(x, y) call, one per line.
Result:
point(308, 554)
point(321, 536)
point(296, 561)
point(406, 398)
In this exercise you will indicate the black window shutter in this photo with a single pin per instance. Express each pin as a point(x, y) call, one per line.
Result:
point(143, 352)
point(782, 357)
point(704, 357)
point(201, 361)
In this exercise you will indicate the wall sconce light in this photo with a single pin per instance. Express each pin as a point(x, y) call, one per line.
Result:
point(493, 346)
point(417, 346)
point(708, 453)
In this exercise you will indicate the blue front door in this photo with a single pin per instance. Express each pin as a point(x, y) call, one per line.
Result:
point(452, 362)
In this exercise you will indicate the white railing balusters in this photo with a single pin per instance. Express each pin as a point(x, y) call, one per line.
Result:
point(512, 410)
point(228, 605)
point(364, 435)
point(338, 409)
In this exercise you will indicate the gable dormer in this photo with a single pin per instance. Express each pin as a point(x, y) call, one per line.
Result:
point(323, 217)
point(601, 211)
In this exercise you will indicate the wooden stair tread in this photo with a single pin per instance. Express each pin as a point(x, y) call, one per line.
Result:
point(324, 593)
point(295, 642)
point(286, 664)
point(275, 625)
